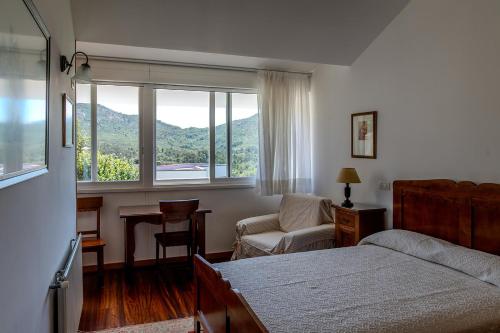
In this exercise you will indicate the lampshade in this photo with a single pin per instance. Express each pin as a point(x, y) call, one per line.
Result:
point(348, 176)
point(83, 74)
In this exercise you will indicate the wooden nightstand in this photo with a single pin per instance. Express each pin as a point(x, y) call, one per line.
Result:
point(353, 224)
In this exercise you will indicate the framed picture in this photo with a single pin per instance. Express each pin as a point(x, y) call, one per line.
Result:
point(68, 121)
point(364, 135)
point(24, 92)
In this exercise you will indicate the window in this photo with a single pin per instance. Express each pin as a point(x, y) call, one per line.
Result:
point(83, 133)
point(107, 133)
point(240, 139)
point(244, 135)
point(183, 134)
point(189, 135)
point(221, 139)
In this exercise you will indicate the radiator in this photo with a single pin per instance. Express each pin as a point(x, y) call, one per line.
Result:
point(68, 284)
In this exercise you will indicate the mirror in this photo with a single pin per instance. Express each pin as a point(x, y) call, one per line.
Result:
point(24, 91)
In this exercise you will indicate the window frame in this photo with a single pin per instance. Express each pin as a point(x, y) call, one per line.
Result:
point(147, 143)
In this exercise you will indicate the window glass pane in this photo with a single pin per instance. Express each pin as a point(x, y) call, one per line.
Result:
point(182, 132)
point(244, 135)
point(83, 133)
point(117, 133)
point(220, 135)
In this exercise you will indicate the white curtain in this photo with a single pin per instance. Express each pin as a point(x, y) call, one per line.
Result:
point(284, 133)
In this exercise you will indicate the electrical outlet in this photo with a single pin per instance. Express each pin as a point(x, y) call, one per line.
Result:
point(384, 186)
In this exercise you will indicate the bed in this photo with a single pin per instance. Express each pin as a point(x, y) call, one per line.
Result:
point(413, 278)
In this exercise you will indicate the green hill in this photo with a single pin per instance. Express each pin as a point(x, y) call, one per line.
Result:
point(118, 135)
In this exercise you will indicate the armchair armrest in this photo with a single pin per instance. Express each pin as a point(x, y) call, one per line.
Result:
point(312, 238)
point(257, 225)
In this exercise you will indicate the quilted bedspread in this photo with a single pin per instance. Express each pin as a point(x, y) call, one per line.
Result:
point(368, 288)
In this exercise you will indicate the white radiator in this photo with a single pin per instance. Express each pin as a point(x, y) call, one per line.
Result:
point(68, 284)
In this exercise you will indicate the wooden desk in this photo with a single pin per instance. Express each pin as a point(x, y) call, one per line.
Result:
point(151, 214)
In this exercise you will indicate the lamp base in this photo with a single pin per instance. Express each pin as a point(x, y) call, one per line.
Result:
point(347, 204)
point(347, 193)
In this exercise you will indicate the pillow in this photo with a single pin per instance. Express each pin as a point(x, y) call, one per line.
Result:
point(299, 211)
point(481, 265)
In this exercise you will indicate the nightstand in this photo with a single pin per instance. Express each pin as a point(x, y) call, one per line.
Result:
point(353, 224)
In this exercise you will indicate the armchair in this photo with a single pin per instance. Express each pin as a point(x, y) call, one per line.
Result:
point(304, 223)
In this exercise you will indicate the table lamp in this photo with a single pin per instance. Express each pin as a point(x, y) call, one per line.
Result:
point(348, 176)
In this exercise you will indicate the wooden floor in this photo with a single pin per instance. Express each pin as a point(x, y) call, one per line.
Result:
point(150, 294)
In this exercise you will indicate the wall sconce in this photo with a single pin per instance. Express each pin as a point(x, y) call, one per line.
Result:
point(83, 73)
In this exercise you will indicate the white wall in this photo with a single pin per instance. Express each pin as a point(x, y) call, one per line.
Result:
point(228, 206)
point(37, 217)
point(433, 75)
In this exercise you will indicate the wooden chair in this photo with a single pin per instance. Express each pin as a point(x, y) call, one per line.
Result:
point(92, 241)
point(176, 211)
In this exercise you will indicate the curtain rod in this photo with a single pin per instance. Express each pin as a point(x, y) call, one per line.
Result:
point(191, 65)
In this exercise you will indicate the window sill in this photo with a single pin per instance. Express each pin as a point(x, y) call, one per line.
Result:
point(91, 188)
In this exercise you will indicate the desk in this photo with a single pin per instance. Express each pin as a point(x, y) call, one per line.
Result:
point(151, 214)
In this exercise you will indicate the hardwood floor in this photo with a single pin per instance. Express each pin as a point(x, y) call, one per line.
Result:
point(150, 294)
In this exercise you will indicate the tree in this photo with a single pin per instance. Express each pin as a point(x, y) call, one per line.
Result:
point(110, 167)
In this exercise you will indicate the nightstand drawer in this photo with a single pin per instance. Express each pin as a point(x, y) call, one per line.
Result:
point(345, 219)
point(345, 236)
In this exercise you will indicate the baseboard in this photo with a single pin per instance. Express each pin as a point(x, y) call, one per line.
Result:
point(211, 257)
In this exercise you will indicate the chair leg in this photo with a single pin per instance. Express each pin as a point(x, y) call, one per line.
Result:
point(100, 266)
point(157, 253)
point(190, 256)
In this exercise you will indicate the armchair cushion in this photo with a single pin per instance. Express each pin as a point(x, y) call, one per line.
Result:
point(299, 211)
point(308, 239)
point(257, 224)
point(266, 241)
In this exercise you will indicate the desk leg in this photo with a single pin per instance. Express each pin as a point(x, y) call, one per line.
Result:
point(200, 237)
point(129, 244)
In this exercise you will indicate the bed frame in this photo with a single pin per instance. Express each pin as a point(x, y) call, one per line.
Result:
point(460, 212)
point(218, 307)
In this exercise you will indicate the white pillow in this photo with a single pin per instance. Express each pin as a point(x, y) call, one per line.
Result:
point(481, 265)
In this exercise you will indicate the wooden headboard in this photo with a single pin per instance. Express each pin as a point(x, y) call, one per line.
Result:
point(460, 212)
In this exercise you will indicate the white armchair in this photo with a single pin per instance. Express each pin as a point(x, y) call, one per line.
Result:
point(304, 223)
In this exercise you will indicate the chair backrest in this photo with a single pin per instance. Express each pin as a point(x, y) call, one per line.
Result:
point(299, 211)
point(91, 204)
point(176, 211)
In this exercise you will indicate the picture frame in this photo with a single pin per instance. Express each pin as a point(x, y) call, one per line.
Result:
point(364, 135)
point(25, 71)
point(68, 121)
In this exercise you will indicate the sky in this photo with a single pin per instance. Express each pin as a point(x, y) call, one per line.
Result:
point(181, 108)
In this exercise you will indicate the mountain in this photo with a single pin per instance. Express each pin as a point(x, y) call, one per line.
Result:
point(118, 134)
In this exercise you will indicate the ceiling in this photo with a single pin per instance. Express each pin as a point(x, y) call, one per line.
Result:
point(315, 31)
